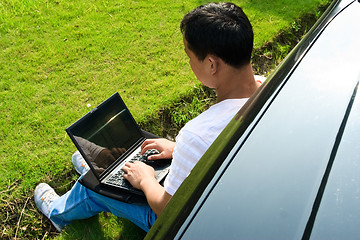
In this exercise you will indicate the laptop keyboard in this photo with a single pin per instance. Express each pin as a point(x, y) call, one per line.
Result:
point(117, 178)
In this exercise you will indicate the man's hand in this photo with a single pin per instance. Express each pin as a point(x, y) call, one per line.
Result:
point(142, 176)
point(138, 172)
point(164, 146)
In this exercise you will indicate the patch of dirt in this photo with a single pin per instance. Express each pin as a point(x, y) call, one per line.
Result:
point(267, 57)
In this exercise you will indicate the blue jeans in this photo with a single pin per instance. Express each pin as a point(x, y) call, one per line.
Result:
point(82, 203)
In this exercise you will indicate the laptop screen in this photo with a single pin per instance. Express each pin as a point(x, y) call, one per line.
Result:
point(105, 133)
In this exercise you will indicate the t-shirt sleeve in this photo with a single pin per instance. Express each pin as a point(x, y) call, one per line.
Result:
point(184, 159)
point(196, 137)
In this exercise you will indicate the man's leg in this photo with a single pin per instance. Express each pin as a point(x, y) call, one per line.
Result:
point(82, 203)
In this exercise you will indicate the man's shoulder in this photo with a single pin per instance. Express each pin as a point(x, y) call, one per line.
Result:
point(211, 122)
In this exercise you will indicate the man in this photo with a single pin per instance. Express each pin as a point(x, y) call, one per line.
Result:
point(218, 40)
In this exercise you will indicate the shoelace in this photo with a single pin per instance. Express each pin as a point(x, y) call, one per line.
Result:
point(82, 162)
point(48, 198)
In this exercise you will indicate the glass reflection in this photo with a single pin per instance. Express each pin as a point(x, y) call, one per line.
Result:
point(100, 157)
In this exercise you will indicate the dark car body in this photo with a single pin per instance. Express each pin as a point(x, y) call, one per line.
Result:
point(288, 165)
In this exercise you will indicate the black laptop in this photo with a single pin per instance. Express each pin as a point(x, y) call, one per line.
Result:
point(107, 137)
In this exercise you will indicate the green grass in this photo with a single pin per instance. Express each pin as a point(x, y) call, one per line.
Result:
point(56, 57)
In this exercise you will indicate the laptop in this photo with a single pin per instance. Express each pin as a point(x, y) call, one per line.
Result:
point(108, 137)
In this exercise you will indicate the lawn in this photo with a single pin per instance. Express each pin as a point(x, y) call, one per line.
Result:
point(59, 59)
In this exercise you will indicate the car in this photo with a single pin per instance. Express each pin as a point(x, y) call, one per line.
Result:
point(288, 165)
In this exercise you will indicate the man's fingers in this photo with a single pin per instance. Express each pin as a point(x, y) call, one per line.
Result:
point(155, 156)
point(148, 147)
point(127, 167)
point(147, 144)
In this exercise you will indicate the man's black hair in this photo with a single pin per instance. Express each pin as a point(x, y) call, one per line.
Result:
point(221, 29)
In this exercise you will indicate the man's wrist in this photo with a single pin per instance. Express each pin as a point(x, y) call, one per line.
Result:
point(147, 183)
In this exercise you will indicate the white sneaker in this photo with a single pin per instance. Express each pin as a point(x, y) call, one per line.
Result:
point(44, 196)
point(79, 163)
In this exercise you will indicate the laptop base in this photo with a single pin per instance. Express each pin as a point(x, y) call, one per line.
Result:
point(90, 181)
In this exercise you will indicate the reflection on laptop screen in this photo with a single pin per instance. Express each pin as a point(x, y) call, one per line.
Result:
point(106, 133)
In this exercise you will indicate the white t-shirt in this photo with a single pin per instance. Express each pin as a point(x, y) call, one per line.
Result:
point(196, 137)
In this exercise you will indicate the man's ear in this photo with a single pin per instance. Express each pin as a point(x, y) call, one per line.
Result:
point(213, 63)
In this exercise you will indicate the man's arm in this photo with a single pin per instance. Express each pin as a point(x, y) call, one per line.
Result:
point(142, 176)
point(156, 195)
point(164, 146)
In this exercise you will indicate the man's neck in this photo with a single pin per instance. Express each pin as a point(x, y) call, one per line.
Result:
point(236, 83)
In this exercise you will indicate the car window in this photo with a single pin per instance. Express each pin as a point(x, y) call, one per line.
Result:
point(339, 212)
